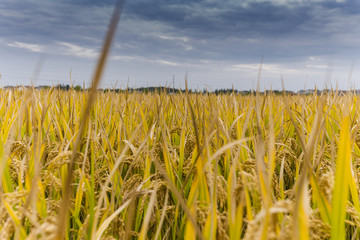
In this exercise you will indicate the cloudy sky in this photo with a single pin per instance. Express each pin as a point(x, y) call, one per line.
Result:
point(217, 43)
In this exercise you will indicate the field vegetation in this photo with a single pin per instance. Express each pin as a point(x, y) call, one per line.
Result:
point(178, 166)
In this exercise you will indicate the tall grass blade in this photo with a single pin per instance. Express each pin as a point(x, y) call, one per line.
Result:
point(341, 188)
point(91, 98)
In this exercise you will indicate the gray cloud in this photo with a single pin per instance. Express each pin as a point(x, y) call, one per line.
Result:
point(226, 30)
point(47, 20)
point(199, 36)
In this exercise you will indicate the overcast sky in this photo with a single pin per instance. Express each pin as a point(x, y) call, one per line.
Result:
point(217, 43)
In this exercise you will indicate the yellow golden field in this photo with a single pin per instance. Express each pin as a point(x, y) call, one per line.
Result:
point(178, 166)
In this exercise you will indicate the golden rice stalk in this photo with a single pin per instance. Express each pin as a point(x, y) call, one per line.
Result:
point(148, 214)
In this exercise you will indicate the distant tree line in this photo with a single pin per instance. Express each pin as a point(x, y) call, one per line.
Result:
point(67, 87)
point(168, 90)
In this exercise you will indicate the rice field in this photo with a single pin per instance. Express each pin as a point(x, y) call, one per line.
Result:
point(179, 166)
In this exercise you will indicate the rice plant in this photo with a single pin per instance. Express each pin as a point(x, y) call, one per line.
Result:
point(181, 166)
